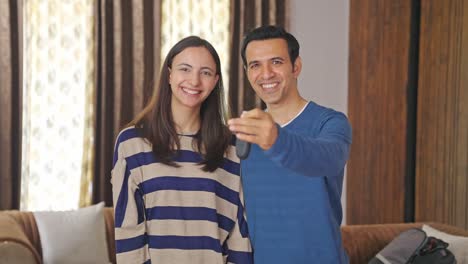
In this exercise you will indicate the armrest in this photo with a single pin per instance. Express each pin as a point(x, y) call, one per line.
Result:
point(362, 242)
point(13, 240)
point(12, 252)
point(109, 219)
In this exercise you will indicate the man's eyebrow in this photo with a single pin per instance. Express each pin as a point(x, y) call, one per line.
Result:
point(271, 59)
point(277, 58)
point(252, 62)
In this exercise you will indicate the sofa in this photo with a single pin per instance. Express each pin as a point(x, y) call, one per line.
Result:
point(20, 241)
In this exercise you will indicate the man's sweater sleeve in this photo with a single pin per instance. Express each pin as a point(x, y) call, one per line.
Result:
point(324, 154)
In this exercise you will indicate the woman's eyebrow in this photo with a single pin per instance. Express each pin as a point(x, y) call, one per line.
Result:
point(188, 65)
point(207, 68)
point(184, 64)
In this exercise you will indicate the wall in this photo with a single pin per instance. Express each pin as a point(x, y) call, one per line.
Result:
point(321, 27)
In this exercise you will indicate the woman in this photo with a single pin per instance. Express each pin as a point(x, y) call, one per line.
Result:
point(176, 186)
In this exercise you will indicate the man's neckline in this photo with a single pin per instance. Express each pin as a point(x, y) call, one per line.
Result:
point(294, 117)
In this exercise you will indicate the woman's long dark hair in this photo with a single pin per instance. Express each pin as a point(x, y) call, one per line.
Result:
point(157, 122)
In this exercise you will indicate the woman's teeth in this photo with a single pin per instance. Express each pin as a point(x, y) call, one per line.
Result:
point(189, 91)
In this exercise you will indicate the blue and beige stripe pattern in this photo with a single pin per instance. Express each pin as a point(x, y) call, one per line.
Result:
point(165, 214)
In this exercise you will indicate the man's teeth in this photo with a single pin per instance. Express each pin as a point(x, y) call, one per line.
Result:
point(190, 91)
point(269, 86)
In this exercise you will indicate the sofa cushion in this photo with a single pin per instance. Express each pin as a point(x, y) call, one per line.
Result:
point(77, 236)
point(458, 245)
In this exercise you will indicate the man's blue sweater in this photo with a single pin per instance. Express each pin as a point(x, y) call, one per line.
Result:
point(293, 190)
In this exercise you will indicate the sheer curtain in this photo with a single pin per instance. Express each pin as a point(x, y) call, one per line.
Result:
point(126, 56)
point(58, 76)
point(101, 63)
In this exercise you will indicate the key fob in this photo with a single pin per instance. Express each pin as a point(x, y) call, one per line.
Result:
point(242, 149)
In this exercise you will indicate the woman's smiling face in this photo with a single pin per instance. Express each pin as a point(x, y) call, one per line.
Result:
point(192, 77)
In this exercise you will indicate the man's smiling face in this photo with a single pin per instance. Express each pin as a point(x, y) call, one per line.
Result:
point(270, 71)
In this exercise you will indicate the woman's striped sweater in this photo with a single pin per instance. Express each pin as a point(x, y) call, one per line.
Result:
point(165, 214)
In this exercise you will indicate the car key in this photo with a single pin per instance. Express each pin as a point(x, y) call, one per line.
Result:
point(242, 149)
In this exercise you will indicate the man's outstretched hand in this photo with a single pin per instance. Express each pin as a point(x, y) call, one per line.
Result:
point(255, 126)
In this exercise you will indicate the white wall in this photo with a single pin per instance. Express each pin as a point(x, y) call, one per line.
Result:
point(321, 27)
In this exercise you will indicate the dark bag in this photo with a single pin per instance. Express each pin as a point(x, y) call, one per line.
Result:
point(413, 246)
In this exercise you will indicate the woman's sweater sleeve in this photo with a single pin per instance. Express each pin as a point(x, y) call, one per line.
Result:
point(130, 232)
point(239, 250)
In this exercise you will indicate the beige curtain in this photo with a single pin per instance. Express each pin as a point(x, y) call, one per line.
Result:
point(10, 103)
point(128, 59)
point(246, 15)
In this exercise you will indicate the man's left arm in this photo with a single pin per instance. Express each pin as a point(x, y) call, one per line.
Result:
point(319, 155)
point(322, 155)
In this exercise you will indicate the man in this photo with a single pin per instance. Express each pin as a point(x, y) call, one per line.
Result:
point(293, 176)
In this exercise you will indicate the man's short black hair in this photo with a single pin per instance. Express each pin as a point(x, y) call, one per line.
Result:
point(271, 32)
